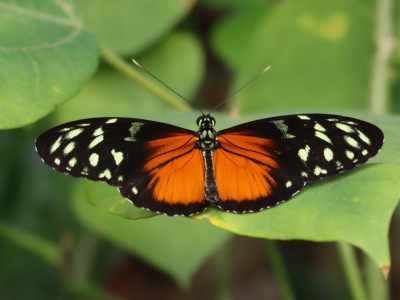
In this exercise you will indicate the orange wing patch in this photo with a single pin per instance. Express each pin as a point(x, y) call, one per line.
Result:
point(165, 149)
point(242, 167)
point(177, 170)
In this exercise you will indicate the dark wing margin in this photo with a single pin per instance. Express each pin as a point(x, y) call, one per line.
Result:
point(284, 153)
point(117, 150)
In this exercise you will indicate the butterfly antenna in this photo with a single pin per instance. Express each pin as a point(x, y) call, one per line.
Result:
point(241, 88)
point(164, 84)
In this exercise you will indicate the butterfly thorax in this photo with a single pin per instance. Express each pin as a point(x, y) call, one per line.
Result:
point(206, 135)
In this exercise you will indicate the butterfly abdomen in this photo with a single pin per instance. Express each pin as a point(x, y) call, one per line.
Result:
point(210, 188)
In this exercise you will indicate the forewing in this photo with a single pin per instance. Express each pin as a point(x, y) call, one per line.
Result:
point(146, 160)
point(262, 163)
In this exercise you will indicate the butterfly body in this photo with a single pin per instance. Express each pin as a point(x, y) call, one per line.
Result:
point(207, 142)
point(176, 171)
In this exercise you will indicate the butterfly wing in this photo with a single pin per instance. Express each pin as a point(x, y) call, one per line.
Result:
point(154, 165)
point(262, 163)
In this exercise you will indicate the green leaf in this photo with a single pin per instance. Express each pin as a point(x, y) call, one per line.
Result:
point(178, 60)
point(128, 27)
point(46, 56)
point(318, 51)
point(177, 246)
point(355, 208)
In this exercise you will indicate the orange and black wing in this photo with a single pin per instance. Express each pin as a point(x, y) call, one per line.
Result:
point(265, 162)
point(154, 165)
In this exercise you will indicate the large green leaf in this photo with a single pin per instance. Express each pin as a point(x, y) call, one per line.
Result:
point(128, 26)
point(354, 207)
point(318, 51)
point(177, 246)
point(46, 56)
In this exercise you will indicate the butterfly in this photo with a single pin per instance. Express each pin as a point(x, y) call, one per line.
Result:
point(175, 171)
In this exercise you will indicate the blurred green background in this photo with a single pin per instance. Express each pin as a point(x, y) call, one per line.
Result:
point(68, 238)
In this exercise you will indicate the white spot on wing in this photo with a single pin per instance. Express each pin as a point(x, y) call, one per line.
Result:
point(118, 156)
point(328, 154)
point(96, 141)
point(134, 190)
point(350, 122)
point(303, 153)
point(364, 152)
point(85, 171)
point(74, 133)
point(110, 121)
point(72, 162)
point(57, 161)
point(349, 154)
point(323, 136)
point(55, 145)
point(69, 148)
point(319, 127)
point(106, 173)
point(65, 129)
point(318, 170)
point(98, 131)
point(94, 159)
point(364, 137)
point(352, 142)
point(303, 117)
point(344, 127)
point(288, 184)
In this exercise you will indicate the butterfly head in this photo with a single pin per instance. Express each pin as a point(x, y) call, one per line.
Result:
point(205, 121)
point(206, 135)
